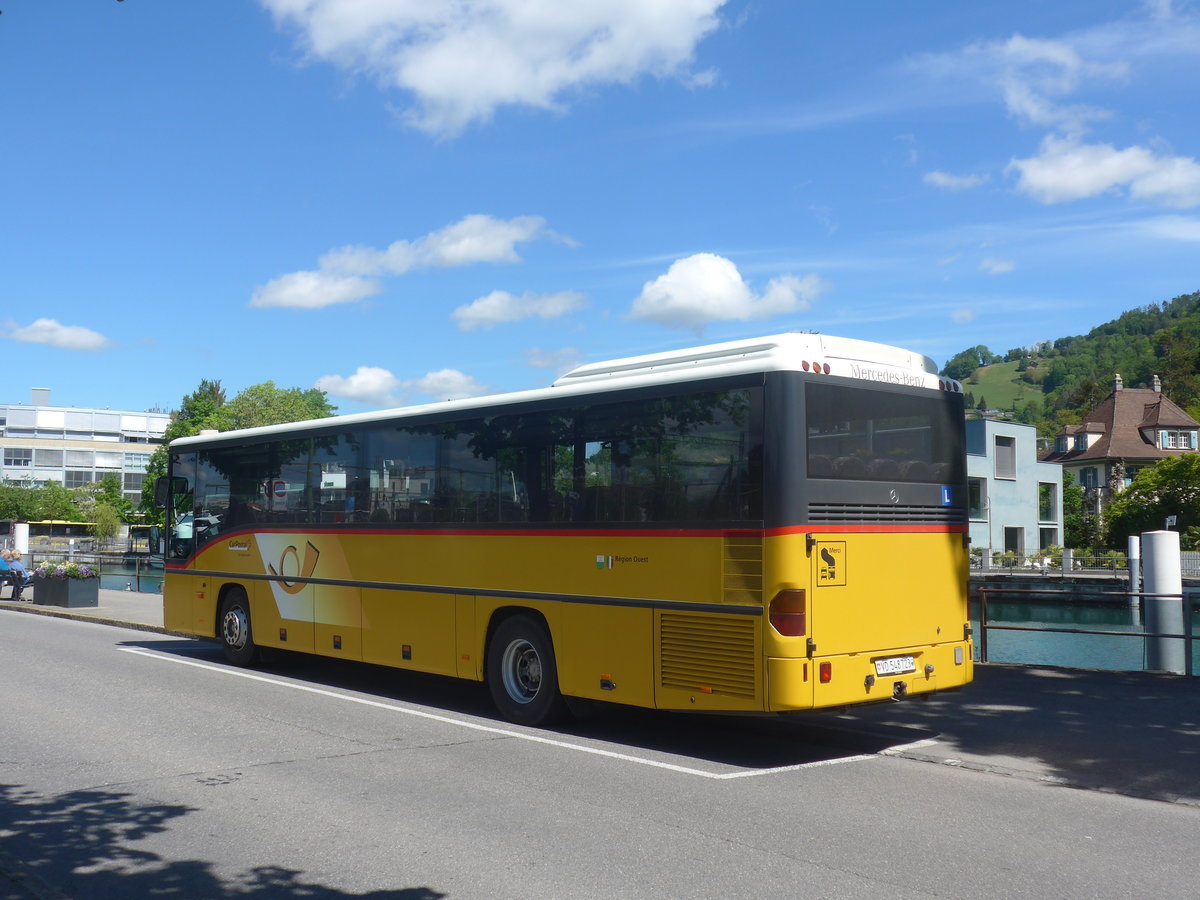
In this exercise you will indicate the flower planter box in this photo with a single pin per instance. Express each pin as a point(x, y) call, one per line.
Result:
point(68, 592)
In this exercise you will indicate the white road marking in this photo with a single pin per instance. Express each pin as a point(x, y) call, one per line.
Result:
point(502, 732)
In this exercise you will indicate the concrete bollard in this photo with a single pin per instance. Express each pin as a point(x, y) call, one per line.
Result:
point(1162, 575)
point(1135, 568)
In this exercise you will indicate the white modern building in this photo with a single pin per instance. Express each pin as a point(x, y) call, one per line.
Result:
point(1015, 501)
point(74, 447)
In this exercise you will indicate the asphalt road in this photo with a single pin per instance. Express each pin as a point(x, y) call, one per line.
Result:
point(136, 765)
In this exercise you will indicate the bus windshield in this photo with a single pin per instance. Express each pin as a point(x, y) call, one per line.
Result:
point(859, 434)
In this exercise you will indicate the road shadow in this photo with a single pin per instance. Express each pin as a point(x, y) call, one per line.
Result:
point(1131, 733)
point(80, 844)
point(733, 741)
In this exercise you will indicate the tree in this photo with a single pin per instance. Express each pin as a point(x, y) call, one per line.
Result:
point(266, 404)
point(1171, 487)
point(34, 503)
point(1081, 528)
point(962, 365)
point(206, 407)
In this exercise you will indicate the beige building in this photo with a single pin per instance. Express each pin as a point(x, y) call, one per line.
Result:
point(72, 446)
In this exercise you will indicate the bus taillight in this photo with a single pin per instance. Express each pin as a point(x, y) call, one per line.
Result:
point(787, 613)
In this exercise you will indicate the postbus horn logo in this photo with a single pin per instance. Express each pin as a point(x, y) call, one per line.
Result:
point(311, 555)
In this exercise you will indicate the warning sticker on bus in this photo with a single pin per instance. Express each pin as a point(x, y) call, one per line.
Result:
point(831, 563)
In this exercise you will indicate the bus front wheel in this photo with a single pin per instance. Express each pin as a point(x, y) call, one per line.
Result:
point(237, 640)
point(521, 673)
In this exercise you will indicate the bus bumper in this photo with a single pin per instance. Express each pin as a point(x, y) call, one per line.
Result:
point(825, 681)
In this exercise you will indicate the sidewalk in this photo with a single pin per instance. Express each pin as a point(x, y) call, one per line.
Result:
point(1129, 733)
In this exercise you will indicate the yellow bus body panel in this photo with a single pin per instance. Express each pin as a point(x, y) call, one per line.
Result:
point(662, 619)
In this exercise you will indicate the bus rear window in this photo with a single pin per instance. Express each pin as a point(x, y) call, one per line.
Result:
point(859, 434)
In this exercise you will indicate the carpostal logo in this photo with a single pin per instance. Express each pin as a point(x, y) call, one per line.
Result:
point(889, 376)
point(611, 562)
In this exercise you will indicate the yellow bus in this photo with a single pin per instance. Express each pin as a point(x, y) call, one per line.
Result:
point(764, 525)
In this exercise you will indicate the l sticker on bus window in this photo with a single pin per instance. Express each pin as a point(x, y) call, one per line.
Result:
point(831, 563)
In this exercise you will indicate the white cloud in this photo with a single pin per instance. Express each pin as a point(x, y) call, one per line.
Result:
point(312, 290)
point(53, 334)
point(559, 360)
point(962, 316)
point(499, 307)
point(997, 266)
point(950, 182)
point(346, 275)
point(1066, 170)
point(445, 384)
point(464, 60)
point(370, 385)
point(379, 387)
point(707, 288)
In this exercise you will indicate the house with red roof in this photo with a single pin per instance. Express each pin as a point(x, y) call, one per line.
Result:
point(1131, 429)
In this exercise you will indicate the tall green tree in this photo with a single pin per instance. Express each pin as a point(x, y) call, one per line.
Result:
point(266, 404)
point(36, 503)
point(963, 365)
point(1081, 527)
point(206, 407)
point(1171, 487)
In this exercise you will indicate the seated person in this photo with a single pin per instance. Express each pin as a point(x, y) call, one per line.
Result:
point(20, 575)
point(6, 572)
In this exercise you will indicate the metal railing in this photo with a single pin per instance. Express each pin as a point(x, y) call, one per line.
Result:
point(1107, 562)
point(1190, 604)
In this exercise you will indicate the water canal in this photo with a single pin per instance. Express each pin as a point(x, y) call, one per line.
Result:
point(1123, 652)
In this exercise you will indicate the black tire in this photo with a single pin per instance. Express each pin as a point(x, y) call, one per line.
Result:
point(233, 628)
point(521, 673)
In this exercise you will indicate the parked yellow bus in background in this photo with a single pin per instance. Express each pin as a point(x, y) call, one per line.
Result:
point(765, 525)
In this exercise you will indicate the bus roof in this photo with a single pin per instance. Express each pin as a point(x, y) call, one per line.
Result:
point(788, 352)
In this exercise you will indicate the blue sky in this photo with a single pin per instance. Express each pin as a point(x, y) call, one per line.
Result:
point(400, 201)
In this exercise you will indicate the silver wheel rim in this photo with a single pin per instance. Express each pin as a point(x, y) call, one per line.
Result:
point(235, 628)
point(521, 670)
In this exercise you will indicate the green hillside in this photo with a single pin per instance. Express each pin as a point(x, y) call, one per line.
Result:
point(1055, 383)
point(1000, 386)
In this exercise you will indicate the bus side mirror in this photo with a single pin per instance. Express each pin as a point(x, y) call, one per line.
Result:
point(165, 487)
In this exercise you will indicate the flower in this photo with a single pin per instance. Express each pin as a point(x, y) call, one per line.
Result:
point(64, 570)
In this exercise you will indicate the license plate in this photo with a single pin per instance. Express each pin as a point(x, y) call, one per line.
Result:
point(895, 665)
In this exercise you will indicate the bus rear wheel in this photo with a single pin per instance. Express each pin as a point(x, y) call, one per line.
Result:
point(521, 673)
point(233, 623)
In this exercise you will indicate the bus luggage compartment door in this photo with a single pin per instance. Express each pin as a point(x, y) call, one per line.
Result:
point(873, 592)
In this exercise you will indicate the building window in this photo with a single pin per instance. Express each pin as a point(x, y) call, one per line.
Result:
point(1047, 537)
point(80, 458)
point(1088, 478)
point(1060, 445)
point(18, 456)
point(1177, 440)
point(976, 497)
point(75, 478)
point(134, 481)
point(1047, 502)
point(49, 458)
point(1014, 541)
point(1006, 457)
point(1081, 442)
point(136, 462)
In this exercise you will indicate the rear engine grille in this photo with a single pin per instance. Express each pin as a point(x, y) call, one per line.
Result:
point(867, 513)
point(708, 652)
